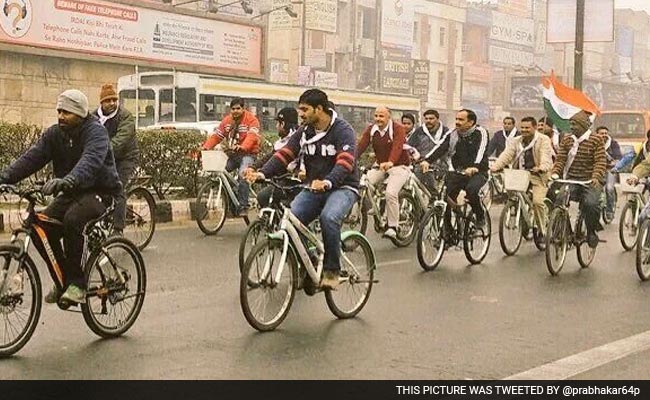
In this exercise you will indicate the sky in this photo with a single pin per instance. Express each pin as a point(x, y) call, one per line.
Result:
point(634, 4)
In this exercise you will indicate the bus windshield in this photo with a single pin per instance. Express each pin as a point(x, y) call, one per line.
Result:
point(623, 125)
point(146, 105)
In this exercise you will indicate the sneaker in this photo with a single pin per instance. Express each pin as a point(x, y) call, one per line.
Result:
point(390, 233)
point(74, 294)
point(243, 212)
point(330, 279)
point(592, 240)
point(52, 296)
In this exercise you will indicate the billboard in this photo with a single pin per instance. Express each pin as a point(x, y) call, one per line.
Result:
point(321, 15)
point(100, 27)
point(561, 17)
point(395, 71)
point(397, 18)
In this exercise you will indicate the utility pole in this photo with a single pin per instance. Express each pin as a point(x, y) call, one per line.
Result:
point(303, 32)
point(580, 44)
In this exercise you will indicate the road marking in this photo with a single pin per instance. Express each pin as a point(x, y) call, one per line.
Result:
point(576, 364)
point(396, 262)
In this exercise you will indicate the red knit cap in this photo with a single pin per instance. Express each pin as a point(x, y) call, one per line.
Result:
point(107, 92)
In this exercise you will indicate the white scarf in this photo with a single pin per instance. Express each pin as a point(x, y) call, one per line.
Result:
point(608, 143)
point(571, 156)
point(103, 118)
point(438, 139)
point(304, 142)
point(512, 133)
point(522, 151)
point(280, 143)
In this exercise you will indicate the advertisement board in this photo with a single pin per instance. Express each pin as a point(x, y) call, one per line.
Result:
point(397, 23)
point(395, 70)
point(321, 15)
point(104, 28)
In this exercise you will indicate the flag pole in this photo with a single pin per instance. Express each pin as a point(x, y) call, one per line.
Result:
point(580, 42)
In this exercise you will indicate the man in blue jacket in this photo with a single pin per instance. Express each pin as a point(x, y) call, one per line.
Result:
point(84, 169)
point(327, 147)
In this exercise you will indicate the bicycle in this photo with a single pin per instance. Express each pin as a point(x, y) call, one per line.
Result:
point(494, 188)
point(140, 222)
point(517, 216)
point(372, 200)
point(561, 236)
point(295, 270)
point(113, 297)
point(434, 238)
point(635, 201)
point(217, 199)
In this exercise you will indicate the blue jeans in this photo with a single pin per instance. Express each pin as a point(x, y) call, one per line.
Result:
point(610, 191)
point(331, 207)
point(241, 162)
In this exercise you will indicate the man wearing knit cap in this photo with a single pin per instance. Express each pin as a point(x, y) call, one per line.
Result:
point(84, 172)
point(120, 124)
point(582, 157)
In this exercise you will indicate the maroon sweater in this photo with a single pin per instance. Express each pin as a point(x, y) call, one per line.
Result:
point(386, 149)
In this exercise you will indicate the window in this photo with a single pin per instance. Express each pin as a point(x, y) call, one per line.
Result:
point(185, 105)
point(368, 23)
point(145, 106)
point(443, 33)
point(441, 81)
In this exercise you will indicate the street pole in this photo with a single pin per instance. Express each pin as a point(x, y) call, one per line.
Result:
point(580, 42)
point(303, 33)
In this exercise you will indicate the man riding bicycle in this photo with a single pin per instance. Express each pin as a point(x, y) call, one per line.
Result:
point(613, 153)
point(469, 164)
point(582, 157)
point(327, 146)
point(501, 138)
point(84, 169)
point(533, 152)
point(388, 139)
point(240, 134)
point(120, 124)
point(431, 141)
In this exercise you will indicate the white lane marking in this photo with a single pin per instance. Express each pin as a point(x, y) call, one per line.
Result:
point(576, 364)
point(396, 262)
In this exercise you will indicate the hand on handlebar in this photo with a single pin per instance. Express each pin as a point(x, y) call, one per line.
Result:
point(633, 180)
point(386, 166)
point(319, 186)
point(302, 175)
point(425, 166)
point(252, 176)
point(471, 171)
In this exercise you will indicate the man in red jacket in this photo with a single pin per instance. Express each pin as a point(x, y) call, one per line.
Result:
point(387, 138)
point(239, 135)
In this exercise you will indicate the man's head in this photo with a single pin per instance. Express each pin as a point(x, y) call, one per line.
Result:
point(602, 131)
point(72, 107)
point(580, 123)
point(382, 117)
point(527, 127)
point(313, 106)
point(508, 124)
point(465, 120)
point(545, 126)
point(108, 99)
point(237, 107)
point(408, 120)
point(286, 119)
point(431, 118)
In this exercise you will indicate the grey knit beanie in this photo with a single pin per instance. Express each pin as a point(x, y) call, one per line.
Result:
point(73, 101)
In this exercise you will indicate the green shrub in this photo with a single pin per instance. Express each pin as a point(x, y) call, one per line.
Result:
point(16, 139)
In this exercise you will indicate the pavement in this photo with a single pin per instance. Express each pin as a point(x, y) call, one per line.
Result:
point(501, 319)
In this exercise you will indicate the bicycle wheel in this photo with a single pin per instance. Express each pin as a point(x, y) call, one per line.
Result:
point(211, 207)
point(264, 296)
point(557, 237)
point(487, 194)
point(476, 242)
point(357, 269)
point(116, 283)
point(607, 219)
point(643, 251)
point(585, 253)
point(539, 239)
point(408, 220)
point(430, 241)
point(20, 306)
point(140, 217)
point(510, 228)
point(628, 226)
point(254, 233)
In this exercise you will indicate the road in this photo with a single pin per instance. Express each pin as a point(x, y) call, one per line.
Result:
point(505, 317)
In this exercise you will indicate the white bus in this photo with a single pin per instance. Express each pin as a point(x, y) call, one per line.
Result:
point(201, 101)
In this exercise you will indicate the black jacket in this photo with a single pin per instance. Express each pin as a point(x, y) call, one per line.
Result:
point(121, 131)
point(469, 150)
point(85, 154)
point(424, 144)
point(498, 143)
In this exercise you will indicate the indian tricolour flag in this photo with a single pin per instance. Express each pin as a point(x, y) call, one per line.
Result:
point(562, 102)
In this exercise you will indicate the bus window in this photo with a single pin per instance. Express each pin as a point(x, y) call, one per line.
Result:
point(208, 107)
point(185, 105)
point(145, 107)
point(624, 125)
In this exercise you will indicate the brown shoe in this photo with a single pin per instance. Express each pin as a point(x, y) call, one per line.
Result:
point(330, 279)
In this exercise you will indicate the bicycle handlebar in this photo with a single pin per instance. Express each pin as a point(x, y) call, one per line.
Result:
point(572, 182)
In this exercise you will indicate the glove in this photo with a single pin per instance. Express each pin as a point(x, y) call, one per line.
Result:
point(57, 185)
